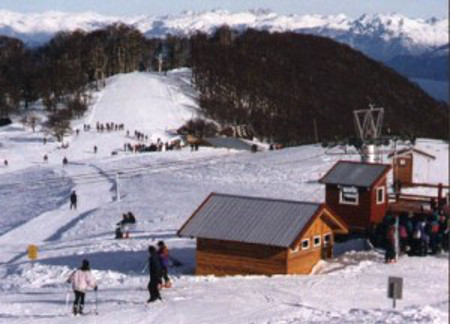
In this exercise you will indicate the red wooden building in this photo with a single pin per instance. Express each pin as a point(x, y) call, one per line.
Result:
point(249, 235)
point(357, 192)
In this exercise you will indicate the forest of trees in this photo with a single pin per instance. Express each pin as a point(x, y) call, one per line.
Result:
point(286, 84)
point(62, 73)
point(287, 87)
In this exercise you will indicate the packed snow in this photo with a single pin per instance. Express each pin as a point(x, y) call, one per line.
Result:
point(163, 189)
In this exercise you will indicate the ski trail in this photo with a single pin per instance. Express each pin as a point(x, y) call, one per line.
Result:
point(48, 225)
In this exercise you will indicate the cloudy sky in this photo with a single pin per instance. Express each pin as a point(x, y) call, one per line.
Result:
point(352, 8)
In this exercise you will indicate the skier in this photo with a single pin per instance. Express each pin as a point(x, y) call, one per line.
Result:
point(95, 149)
point(124, 226)
point(65, 161)
point(5, 162)
point(163, 255)
point(81, 279)
point(73, 200)
point(155, 275)
point(45, 158)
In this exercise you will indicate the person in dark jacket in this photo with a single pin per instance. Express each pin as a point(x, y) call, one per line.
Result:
point(390, 256)
point(73, 200)
point(155, 275)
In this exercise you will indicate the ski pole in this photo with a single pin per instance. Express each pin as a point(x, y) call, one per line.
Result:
point(96, 302)
point(67, 298)
point(145, 267)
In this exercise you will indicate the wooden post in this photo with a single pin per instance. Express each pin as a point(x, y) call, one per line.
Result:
point(316, 134)
point(439, 193)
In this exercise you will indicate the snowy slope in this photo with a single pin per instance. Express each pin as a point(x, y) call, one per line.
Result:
point(148, 103)
point(381, 36)
point(163, 189)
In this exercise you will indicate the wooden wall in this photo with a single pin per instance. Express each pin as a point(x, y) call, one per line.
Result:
point(359, 217)
point(303, 261)
point(404, 173)
point(356, 216)
point(378, 211)
point(233, 258)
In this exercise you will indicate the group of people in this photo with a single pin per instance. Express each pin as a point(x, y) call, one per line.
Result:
point(138, 135)
point(109, 127)
point(125, 226)
point(82, 279)
point(152, 147)
point(418, 234)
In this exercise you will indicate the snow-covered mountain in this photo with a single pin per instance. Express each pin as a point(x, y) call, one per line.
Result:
point(380, 36)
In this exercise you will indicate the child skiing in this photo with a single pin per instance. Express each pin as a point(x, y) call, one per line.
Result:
point(163, 255)
point(81, 279)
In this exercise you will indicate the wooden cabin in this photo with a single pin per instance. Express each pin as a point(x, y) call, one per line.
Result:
point(406, 170)
point(357, 193)
point(239, 235)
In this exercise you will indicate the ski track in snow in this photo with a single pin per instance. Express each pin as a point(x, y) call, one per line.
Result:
point(163, 189)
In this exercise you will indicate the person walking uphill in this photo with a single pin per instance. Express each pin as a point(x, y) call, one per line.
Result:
point(81, 280)
point(155, 275)
point(73, 200)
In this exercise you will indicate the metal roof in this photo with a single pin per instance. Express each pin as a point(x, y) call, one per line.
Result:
point(229, 142)
point(358, 174)
point(250, 220)
point(411, 150)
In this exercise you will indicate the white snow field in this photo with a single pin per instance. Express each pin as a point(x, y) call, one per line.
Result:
point(162, 189)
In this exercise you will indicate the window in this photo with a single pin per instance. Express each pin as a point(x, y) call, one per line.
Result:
point(402, 162)
point(380, 195)
point(316, 241)
point(295, 250)
point(305, 244)
point(327, 239)
point(349, 196)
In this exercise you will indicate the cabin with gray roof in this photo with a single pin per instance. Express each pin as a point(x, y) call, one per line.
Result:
point(357, 193)
point(239, 235)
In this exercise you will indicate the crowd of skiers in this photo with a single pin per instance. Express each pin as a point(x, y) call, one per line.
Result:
point(101, 127)
point(416, 234)
point(159, 146)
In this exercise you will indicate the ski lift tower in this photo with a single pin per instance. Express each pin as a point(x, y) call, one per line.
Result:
point(368, 127)
point(160, 62)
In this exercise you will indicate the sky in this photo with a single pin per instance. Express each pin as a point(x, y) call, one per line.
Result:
point(352, 8)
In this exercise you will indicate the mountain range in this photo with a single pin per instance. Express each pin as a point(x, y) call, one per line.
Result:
point(401, 42)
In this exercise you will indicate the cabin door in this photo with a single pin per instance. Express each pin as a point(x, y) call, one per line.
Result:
point(327, 252)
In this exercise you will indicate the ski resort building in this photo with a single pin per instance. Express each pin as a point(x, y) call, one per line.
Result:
point(409, 165)
point(247, 235)
point(357, 192)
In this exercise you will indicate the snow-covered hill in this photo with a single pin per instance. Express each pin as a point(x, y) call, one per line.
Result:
point(162, 189)
point(380, 36)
